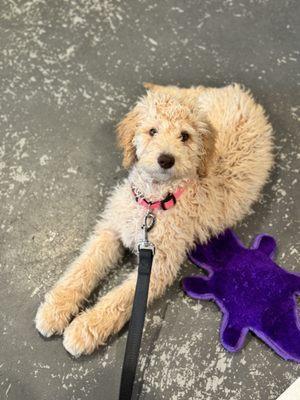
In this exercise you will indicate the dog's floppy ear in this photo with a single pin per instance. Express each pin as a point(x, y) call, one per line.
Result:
point(126, 130)
point(209, 137)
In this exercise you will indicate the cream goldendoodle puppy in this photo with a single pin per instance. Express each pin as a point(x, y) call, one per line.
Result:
point(199, 158)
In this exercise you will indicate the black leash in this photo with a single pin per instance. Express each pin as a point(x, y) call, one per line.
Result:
point(145, 253)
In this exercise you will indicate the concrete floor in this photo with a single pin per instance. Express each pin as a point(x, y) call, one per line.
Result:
point(69, 71)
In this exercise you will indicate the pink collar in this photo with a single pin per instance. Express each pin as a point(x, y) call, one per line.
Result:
point(168, 202)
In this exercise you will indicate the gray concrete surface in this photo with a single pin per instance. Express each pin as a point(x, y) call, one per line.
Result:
point(69, 71)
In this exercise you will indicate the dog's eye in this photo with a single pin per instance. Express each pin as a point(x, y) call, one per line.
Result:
point(152, 131)
point(184, 136)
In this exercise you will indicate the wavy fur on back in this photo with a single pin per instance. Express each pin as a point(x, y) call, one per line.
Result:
point(243, 151)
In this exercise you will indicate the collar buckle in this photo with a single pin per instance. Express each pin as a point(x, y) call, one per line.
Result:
point(168, 198)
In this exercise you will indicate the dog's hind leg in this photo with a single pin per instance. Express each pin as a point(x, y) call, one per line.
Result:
point(63, 301)
point(92, 328)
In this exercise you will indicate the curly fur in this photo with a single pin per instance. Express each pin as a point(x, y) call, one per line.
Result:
point(223, 167)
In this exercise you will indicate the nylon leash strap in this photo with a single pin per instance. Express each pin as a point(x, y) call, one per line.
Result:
point(135, 332)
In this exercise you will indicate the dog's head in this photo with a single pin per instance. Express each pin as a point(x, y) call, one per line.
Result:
point(166, 137)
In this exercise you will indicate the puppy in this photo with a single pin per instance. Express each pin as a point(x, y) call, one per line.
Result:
point(201, 155)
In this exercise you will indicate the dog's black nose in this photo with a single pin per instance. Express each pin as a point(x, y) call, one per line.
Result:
point(166, 161)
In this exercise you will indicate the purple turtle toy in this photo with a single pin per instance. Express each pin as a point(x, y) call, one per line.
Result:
point(253, 292)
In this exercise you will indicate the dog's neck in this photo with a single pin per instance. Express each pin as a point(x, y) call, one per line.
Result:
point(151, 188)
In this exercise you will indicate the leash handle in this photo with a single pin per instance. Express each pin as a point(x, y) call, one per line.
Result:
point(136, 322)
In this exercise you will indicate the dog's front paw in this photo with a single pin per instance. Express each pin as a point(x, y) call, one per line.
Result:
point(51, 320)
point(87, 332)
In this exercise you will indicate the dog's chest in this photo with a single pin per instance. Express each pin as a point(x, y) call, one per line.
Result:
point(129, 219)
point(131, 229)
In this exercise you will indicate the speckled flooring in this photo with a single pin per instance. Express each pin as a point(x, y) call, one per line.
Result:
point(69, 70)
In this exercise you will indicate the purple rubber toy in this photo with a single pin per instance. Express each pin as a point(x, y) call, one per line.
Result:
point(253, 292)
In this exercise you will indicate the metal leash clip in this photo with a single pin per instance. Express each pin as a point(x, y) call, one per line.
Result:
point(148, 224)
